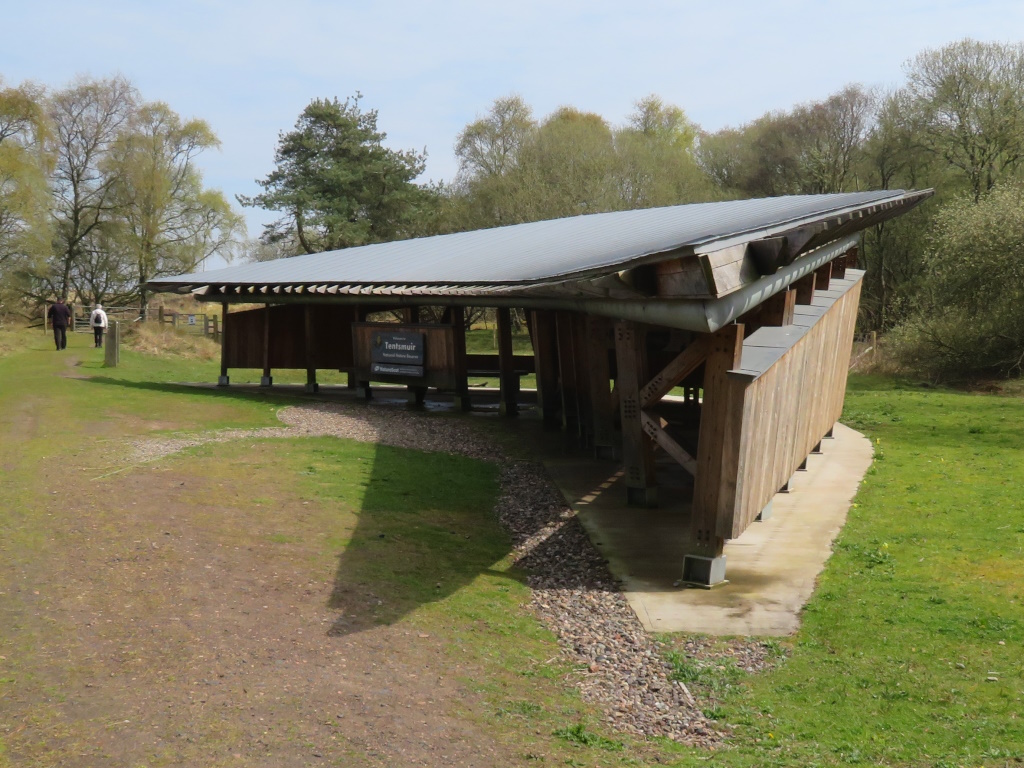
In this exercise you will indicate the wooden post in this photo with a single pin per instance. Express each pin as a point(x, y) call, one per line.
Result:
point(73, 313)
point(223, 381)
point(46, 318)
point(458, 319)
point(545, 359)
point(717, 459)
point(805, 289)
point(778, 309)
point(598, 336)
point(637, 450)
point(266, 380)
point(311, 385)
point(160, 315)
point(822, 275)
point(112, 349)
point(567, 373)
point(584, 380)
point(508, 379)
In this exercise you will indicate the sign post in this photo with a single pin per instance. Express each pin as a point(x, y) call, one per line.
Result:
point(112, 348)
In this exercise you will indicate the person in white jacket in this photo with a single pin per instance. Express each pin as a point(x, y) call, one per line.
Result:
point(98, 321)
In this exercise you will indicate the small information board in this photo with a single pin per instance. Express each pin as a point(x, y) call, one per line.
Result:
point(397, 353)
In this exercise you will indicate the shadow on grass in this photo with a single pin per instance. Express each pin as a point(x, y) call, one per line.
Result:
point(426, 529)
point(194, 390)
point(426, 525)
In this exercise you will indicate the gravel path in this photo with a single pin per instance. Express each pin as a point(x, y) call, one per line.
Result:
point(620, 667)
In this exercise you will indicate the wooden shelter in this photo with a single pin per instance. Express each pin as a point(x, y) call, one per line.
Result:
point(745, 309)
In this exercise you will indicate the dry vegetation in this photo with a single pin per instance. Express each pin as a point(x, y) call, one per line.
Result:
point(154, 339)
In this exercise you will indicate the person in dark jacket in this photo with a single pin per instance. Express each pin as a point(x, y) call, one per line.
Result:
point(60, 317)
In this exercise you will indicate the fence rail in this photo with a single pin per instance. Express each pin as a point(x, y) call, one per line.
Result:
point(198, 323)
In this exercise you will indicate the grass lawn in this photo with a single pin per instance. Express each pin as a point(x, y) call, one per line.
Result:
point(320, 562)
point(912, 648)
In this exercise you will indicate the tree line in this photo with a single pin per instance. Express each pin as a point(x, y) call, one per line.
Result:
point(101, 210)
point(99, 192)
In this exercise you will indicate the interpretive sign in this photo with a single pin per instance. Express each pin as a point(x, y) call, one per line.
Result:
point(397, 353)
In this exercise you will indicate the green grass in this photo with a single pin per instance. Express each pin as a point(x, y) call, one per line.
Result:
point(910, 651)
point(414, 530)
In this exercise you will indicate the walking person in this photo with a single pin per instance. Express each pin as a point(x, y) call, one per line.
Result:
point(98, 321)
point(60, 318)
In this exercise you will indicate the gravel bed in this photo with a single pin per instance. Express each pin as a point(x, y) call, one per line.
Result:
point(618, 665)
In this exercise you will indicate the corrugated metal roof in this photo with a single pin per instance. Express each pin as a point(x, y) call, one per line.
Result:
point(548, 250)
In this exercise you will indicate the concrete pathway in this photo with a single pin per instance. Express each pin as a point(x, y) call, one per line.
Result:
point(771, 568)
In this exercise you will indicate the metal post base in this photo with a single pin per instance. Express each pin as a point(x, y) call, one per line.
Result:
point(705, 572)
point(606, 452)
point(266, 381)
point(223, 381)
point(312, 387)
point(764, 514)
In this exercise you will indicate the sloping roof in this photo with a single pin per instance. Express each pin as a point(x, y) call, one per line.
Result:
point(560, 249)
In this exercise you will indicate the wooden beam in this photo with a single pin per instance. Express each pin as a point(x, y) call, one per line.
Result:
point(567, 372)
point(266, 381)
point(804, 288)
point(656, 431)
point(458, 321)
point(508, 379)
point(778, 309)
point(718, 442)
point(681, 277)
point(852, 258)
point(602, 405)
point(685, 363)
point(638, 456)
point(584, 380)
point(223, 380)
point(545, 355)
point(822, 275)
point(311, 385)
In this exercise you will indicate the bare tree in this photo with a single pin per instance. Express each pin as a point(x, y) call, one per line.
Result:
point(86, 119)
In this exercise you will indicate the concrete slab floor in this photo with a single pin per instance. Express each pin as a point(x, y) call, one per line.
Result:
point(771, 568)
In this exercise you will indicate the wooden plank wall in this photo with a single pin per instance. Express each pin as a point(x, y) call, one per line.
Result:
point(244, 337)
point(786, 412)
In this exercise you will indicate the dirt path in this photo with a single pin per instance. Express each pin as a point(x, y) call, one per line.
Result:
point(150, 628)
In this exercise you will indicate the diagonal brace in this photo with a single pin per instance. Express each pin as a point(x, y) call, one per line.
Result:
point(683, 365)
point(655, 431)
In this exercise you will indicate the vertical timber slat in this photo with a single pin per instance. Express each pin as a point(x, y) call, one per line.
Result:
point(223, 381)
point(545, 356)
point(598, 334)
point(637, 450)
point(508, 379)
point(311, 385)
point(718, 447)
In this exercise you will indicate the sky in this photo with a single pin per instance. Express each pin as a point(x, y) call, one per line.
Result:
point(430, 68)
